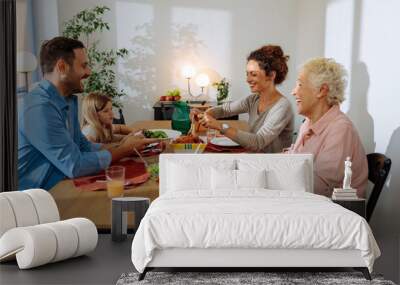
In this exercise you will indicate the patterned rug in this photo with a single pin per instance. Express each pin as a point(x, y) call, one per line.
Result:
point(270, 278)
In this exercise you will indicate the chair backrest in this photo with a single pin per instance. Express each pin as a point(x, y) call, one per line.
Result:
point(378, 171)
point(121, 119)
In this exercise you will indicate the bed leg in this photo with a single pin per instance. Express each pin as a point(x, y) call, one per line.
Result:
point(364, 271)
point(143, 274)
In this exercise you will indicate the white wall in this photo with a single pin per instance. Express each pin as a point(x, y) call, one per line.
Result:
point(211, 35)
point(309, 34)
point(378, 56)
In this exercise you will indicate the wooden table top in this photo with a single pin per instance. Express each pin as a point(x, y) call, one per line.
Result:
point(73, 202)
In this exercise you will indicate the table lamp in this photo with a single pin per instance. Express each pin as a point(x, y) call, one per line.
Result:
point(202, 80)
point(26, 62)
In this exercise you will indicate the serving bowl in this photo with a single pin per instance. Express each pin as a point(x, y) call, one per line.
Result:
point(188, 147)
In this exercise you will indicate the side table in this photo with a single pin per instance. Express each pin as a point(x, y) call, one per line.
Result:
point(355, 205)
point(120, 206)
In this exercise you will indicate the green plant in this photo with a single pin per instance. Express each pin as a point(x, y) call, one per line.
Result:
point(102, 62)
point(222, 88)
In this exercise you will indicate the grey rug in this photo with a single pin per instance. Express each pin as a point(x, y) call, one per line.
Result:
point(229, 278)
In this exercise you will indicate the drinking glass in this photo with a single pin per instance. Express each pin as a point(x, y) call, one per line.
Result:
point(115, 181)
point(211, 133)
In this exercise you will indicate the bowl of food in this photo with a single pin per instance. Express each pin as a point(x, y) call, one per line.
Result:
point(171, 95)
point(188, 144)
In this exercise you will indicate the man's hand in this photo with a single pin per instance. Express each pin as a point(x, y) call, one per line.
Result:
point(128, 145)
point(136, 134)
point(131, 142)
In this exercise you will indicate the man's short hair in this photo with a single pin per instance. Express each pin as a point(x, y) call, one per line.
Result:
point(55, 49)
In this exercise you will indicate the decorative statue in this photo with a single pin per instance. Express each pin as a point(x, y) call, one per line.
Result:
point(347, 174)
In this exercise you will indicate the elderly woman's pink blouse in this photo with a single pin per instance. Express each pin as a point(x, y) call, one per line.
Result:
point(331, 139)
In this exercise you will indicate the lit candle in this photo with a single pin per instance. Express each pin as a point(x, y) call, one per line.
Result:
point(188, 71)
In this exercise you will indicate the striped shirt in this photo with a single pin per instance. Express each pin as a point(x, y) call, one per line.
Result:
point(269, 131)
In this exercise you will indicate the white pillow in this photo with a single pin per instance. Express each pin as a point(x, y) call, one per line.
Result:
point(226, 179)
point(251, 179)
point(223, 179)
point(285, 174)
point(184, 176)
point(293, 180)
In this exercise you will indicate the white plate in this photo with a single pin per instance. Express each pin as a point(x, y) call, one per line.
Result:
point(172, 134)
point(223, 141)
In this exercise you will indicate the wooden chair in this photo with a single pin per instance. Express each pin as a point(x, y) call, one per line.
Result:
point(378, 170)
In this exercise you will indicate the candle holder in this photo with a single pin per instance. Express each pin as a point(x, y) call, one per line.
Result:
point(188, 72)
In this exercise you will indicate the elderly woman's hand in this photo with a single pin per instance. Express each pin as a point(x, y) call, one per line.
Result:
point(209, 121)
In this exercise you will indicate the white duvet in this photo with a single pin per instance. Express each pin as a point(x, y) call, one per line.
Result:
point(250, 219)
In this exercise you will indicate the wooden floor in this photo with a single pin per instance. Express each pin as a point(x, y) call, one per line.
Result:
point(103, 266)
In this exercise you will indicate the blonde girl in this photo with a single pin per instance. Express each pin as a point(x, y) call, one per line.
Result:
point(97, 120)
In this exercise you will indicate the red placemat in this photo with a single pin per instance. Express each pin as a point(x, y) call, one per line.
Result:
point(135, 173)
point(216, 148)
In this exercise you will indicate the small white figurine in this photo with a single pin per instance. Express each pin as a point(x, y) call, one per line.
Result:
point(347, 174)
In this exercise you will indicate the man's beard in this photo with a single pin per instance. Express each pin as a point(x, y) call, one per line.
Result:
point(72, 86)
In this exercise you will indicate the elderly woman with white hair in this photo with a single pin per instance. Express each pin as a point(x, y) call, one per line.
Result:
point(327, 132)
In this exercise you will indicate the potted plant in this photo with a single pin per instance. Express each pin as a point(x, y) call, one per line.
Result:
point(83, 26)
point(222, 90)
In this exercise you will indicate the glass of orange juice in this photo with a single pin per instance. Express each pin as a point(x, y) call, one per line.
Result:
point(115, 181)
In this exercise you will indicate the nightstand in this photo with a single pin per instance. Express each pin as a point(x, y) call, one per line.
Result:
point(357, 205)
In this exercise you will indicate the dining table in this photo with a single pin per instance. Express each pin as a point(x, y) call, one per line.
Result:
point(75, 202)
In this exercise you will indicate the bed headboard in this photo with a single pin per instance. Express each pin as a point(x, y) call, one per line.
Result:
point(210, 159)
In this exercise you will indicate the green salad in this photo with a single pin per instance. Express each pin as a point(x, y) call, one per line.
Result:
point(153, 169)
point(155, 134)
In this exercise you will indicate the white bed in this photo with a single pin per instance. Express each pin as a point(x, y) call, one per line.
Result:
point(201, 219)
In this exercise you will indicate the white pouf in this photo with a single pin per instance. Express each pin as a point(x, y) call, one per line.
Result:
point(31, 232)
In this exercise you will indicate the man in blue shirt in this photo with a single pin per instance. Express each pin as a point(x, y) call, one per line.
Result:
point(51, 146)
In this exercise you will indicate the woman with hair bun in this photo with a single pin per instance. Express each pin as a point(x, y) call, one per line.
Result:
point(270, 113)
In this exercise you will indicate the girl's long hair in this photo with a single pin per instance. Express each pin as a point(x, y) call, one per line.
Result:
point(93, 103)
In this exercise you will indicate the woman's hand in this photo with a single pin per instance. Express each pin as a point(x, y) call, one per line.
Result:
point(194, 114)
point(209, 121)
